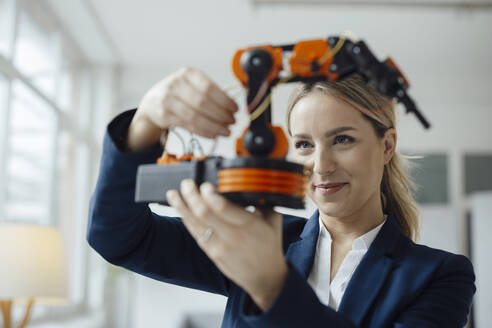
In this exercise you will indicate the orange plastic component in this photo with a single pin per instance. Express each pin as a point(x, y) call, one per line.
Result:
point(261, 180)
point(307, 52)
point(168, 158)
point(390, 62)
point(277, 56)
point(281, 144)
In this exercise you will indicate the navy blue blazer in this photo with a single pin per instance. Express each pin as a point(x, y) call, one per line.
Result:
point(397, 284)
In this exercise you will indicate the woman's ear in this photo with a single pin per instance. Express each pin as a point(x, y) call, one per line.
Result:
point(389, 141)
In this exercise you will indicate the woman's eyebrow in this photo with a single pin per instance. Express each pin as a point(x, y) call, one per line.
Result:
point(328, 133)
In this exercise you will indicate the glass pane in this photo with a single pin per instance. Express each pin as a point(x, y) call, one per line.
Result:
point(66, 88)
point(37, 52)
point(3, 113)
point(72, 205)
point(431, 176)
point(85, 96)
point(64, 94)
point(3, 97)
point(478, 173)
point(6, 26)
point(29, 167)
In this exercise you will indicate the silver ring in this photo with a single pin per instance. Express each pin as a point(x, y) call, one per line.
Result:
point(206, 235)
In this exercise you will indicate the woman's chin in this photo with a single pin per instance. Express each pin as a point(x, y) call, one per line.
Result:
point(333, 209)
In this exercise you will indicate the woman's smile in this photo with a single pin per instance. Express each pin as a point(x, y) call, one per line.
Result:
point(329, 188)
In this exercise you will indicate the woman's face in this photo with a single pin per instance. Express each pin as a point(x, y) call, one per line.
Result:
point(341, 149)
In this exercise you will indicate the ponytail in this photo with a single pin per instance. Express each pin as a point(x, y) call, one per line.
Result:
point(397, 198)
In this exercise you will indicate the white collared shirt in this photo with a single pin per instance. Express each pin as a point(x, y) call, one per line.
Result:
point(319, 278)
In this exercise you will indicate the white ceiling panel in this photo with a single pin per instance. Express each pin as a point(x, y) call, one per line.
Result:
point(421, 3)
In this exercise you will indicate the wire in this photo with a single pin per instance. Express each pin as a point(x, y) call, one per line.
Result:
point(261, 109)
point(259, 95)
point(232, 86)
point(264, 105)
point(332, 52)
point(350, 35)
point(183, 144)
point(194, 142)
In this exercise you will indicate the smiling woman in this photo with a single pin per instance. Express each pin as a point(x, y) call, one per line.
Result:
point(352, 264)
point(354, 126)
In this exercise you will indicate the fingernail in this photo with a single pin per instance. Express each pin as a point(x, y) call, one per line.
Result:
point(187, 184)
point(171, 194)
point(206, 187)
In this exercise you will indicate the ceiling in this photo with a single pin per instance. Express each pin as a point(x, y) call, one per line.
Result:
point(153, 38)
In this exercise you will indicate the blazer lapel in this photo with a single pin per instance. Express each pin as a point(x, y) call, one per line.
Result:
point(301, 252)
point(371, 273)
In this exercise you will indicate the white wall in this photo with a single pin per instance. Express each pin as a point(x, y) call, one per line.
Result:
point(444, 53)
point(481, 207)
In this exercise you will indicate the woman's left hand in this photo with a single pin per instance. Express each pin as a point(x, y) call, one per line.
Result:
point(245, 246)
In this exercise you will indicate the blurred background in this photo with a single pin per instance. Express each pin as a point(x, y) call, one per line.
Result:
point(68, 67)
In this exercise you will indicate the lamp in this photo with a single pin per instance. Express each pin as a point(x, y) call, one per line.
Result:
point(32, 268)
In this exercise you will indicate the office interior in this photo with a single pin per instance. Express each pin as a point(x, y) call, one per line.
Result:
point(68, 67)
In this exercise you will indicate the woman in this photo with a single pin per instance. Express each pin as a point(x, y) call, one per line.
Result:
point(352, 264)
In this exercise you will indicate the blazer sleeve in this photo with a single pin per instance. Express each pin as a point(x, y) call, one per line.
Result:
point(128, 234)
point(445, 302)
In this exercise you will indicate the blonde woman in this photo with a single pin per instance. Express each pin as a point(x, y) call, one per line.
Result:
point(352, 264)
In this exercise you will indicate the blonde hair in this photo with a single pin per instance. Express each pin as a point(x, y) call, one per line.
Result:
point(396, 184)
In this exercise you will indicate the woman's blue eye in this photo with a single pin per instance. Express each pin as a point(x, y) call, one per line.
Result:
point(302, 144)
point(343, 140)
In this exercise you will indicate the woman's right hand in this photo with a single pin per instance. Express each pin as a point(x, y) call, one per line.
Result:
point(188, 99)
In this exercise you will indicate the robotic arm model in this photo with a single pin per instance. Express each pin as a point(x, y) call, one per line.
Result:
point(260, 175)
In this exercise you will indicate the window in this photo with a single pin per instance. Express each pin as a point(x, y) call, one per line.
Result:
point(3, 120)
point(6, 26)
point(47, 142)
point(430, 174)
point(478, 173)
point(3, 94)
point(37, 48)
point(30, 154)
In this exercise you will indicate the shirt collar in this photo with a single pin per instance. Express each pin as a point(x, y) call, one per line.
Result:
point(361, 243)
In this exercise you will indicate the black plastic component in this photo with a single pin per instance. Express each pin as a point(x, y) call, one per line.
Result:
point(386, 78)
point(342, 64)
point(153, 181)
point(259, 141)
point(315, 66)
point(257, 63)
point(266, 200)
point(260, 162)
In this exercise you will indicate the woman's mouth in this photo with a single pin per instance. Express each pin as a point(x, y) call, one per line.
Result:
point(329, 188)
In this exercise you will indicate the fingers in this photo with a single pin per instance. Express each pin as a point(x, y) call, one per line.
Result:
point(204, 84)
point(197, 104)
point(194, 226)
point(202, 103)
point(223, 208)
point(200, 209)
point(192, 120)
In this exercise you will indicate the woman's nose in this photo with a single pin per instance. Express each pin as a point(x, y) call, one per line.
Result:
point(322, 162)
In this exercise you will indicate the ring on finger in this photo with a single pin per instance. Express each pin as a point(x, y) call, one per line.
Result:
point(206, 235)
